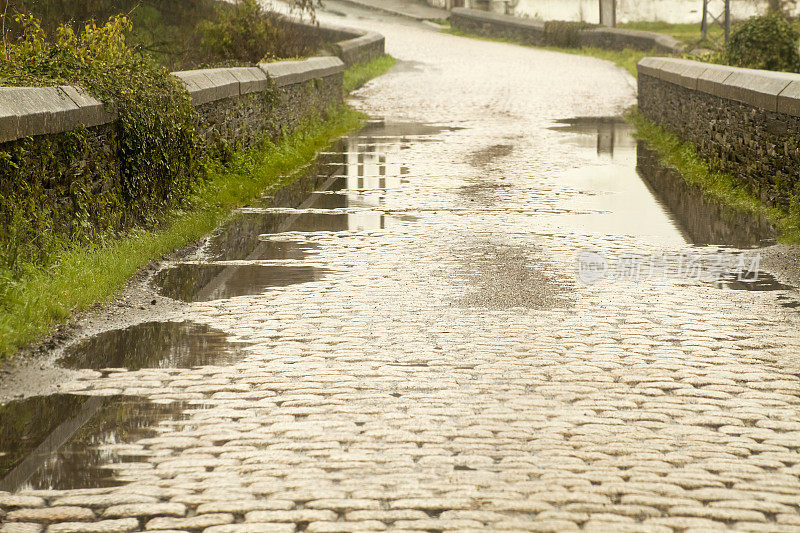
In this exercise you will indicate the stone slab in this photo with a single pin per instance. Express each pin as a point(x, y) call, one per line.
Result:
point(712, 80)
point(681, 72)
point(92, 111)
point(763, 89)
point(224, 81)
point(650, 66)
point(30, 111)
point(205, 87)
point(359, 47)
point(758, 88)
point(614, 38)
point(9, 121)
point(251, 79)
point(485, 16)
point(284, 73)
point(789, 99)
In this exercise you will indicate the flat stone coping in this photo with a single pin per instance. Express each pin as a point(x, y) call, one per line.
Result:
point(284, 73)
point(617, 35)
point(772, 91)
point(367, 39)
point(27, 111)
point(30, 111)
point(505, 20)
point(401, 8)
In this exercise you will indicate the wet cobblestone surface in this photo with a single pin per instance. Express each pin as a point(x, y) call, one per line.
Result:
point(446, 371)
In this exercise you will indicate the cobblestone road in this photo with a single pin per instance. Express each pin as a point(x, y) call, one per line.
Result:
point(443, 370)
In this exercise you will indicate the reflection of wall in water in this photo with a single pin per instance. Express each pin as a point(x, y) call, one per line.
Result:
point(372, 166)
point(373, 163)
point(610, 137)
point(606, 134)
point(700, 219)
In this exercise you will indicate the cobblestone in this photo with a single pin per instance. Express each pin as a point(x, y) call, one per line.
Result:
point(145, 509)
point(447, 372)
point(195, 522)
point(21, 527)
point(50, 514)
point(123, 525)
point(18, 500)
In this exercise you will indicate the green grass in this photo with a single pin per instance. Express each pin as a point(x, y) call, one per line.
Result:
point(359, 74)
point(626, 58)
point(441, 22)
point(722, 186)
point(82, 276)
point(687, 33)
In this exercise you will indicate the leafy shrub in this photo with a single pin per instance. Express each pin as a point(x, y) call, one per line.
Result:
point(156, 145)
point(563, 33)
point(245, 31)
point(170, 31)
point(768, 42)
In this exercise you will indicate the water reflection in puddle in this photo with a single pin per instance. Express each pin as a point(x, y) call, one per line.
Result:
point(635, 195)
point(202, 283)
point(610, 137)
point(701, 220)
point(65, 441)
point(152, 345)
point(353, 175)
point(764, 281)
point(328, 222)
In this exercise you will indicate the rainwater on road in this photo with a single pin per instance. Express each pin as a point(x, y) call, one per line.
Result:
point(490, 309)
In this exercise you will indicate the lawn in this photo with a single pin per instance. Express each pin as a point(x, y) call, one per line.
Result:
point(687, 33)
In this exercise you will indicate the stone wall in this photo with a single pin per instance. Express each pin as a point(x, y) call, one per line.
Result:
point(500, 26)
point(237, 107)
point(59, 152)
point(745, 122)
point(533, 32)
point(351, 46)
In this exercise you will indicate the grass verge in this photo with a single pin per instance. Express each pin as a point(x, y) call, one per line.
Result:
point(359, 74)
point(626, 58)
point(724, 187)
point(690, 34)
point(82, 276)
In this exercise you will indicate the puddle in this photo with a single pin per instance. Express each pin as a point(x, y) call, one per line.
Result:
point(62, 441)
point(152, 345)
point(402, 65)
point(401, 130)
point(610, 137)
point(355, 174)
point(701, 220)
point(322, 200)
point(788, 301)
point(203, 283)
point(763, 282)
point(239, 240)
point(634, 194)
point(308, 179)
point(329, 222)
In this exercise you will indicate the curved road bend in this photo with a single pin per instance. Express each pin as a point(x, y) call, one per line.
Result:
point(448, 372)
